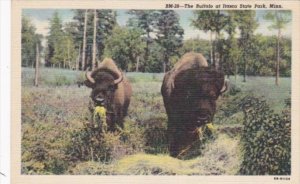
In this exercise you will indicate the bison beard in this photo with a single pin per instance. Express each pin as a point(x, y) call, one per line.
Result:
point(190, 91)
point(111, 90)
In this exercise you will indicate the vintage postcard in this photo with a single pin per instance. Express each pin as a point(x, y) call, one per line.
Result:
point(155, 91)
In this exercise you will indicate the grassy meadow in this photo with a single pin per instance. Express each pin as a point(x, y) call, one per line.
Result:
point(56, 140)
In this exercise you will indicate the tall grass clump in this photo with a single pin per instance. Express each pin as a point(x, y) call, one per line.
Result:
point(266, 139)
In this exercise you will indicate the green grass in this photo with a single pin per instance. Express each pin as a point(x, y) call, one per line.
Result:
point(265, 86)
point(57, 110)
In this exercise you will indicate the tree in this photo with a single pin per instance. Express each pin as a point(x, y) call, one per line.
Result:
point(54, 50)
point(247, 25)
point(145, 20)
point(169, 35)
point(279, 19)
point(37, 61)
point(213, 21)
point(94, 40)
point(125, 46)
point(105, 25)
point(264, 63)
point(232, 53)
point(29, 41)
point(84, 40)
point(196, 45)
point(106, 21)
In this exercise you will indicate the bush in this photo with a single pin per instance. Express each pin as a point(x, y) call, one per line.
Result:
point(92, 144)
point(266, 139)
point(88, 144)
point(43, 149)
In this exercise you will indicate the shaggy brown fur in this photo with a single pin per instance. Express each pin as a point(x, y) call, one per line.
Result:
point(116, 96)
point(187, 61)
point(189, 91)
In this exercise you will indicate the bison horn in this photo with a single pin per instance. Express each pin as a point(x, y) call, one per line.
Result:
point(224, 88)
point(89, 77)
point(119, 79)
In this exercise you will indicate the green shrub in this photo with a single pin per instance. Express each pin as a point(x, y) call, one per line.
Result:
point(92, 144)
point(266, 139)
point(43, 149)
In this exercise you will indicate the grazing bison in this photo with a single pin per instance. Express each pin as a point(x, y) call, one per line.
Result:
point(190, 91)
point(111, 90)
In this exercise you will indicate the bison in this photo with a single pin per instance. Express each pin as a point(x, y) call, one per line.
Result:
point(190, 91)
point(111, 90)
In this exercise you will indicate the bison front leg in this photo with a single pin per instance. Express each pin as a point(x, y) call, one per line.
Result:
point(172, 133)
point(120, 118)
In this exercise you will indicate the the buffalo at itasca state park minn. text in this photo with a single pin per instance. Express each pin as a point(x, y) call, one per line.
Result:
point(156, 92)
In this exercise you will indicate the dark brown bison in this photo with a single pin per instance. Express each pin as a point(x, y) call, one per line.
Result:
point(190, 91)
point(111, 90)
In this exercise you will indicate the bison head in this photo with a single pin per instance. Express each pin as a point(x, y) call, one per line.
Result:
point(195, 93)
point(103, 83)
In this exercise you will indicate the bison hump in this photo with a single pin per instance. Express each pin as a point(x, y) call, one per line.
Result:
point(188, 61)
point(109, 64)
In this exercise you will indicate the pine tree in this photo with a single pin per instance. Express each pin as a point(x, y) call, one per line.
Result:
point(213, 21)
point(279, 19)
point(169, 35)
point(145, 20)
point(247, 25)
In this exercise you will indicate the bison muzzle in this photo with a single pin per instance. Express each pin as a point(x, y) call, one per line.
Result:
point(111, 90)
point(190, 91)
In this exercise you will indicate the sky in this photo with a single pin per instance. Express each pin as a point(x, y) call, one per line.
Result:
point(40, 18)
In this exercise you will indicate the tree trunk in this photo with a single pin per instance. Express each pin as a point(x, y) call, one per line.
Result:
point(37, 57)
point(166, 61)
point(211, 49)
point(278, 58)
point(69, 66)
point(245, 68)
point(94, 40)
point(147, 47)
point(217, 55)
point(78, 58)
point(235, 72)
point(137, 63)
point(83, 62)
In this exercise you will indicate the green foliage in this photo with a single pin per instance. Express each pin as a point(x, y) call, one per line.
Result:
point(279, 18)
point(125, 46)
point(145, 20)
point(30, 39)
point(169, 35)
point(247, 25)
point(196, 45)
point(266, 139)
point(61, 47)
point(209, 20)
point(213, 21)
point(155, 58)
point(54, 51)
point(106, 21)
